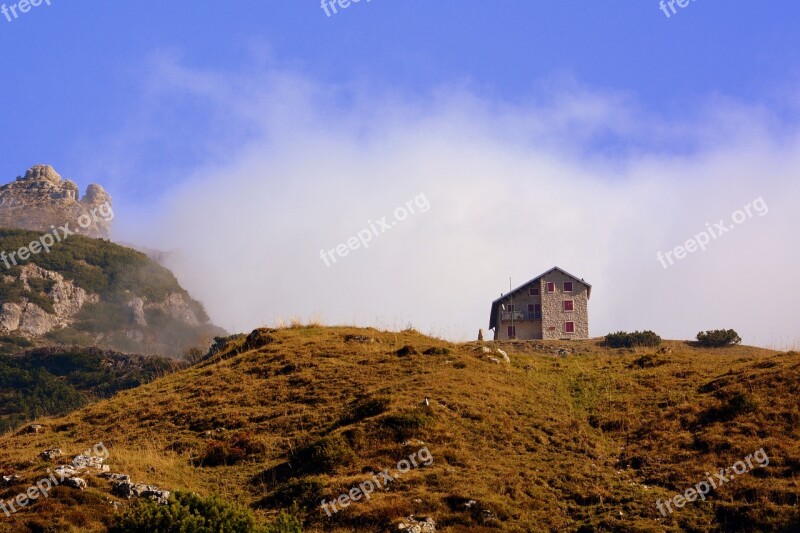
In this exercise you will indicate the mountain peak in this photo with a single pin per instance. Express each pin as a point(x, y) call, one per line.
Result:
point(41, 173)
point(42, 198)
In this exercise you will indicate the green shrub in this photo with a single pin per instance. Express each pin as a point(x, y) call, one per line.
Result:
point(437, 351)
point(187, 512)
point(288, 521)
point(718, 338)
point(622, 339)
point(324, 455)
point(647, 361)
point(304, 492)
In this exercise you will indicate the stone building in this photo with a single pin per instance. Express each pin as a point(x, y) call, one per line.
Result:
point(554, 305)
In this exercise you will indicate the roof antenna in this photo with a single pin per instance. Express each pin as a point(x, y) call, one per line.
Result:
point(511, 302)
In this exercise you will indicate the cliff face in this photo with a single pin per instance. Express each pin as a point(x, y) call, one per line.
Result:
point(63, 301)
point(41, 199)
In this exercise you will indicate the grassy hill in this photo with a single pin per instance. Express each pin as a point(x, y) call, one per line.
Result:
point(568, 436)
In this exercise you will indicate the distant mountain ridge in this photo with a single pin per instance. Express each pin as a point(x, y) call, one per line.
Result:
point(92, 292)
point(62, 283)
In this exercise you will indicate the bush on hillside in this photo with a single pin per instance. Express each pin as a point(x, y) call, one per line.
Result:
point(366, 408)
point(234, 449)
point(436, 350)
point(407, 350)
point(718, 338)
point(190, 512)
point(623, 339)
point(324, 455)
point(306, 492)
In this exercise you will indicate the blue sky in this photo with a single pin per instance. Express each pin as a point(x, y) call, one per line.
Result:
point(155, 100)
point(77, 66)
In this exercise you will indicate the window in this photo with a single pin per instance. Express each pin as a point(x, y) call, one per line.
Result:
point(510, 308)
point(569, 327)
point(534, 291)
point(567, 286)
point(551, 286)
point(512, 332)
point(569, 305)
point(531, 308)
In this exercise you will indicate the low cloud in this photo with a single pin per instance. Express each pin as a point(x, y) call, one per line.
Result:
point(514, 189)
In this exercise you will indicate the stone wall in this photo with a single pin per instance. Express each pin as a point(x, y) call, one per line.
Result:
point(554, 316)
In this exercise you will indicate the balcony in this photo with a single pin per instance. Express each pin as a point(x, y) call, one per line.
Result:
point(520, 315)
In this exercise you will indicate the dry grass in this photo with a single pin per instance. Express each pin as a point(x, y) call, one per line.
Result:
point(587, 440)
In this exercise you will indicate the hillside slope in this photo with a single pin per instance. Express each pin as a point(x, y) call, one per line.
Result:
point(54, 381)
point(567, 436)
point(91, 292)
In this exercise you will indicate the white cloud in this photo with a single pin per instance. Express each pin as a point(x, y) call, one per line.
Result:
point(514, 190)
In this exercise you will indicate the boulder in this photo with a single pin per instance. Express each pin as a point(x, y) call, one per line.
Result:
point(505, 356)
point(84, 462)
point(65, 471)
point(8, 481)
point(414, 524)
point(114, 477)
point(75, 483)
point(49, 455)
point(128, 490)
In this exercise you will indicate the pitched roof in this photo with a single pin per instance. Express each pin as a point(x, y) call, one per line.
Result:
point(493, 316)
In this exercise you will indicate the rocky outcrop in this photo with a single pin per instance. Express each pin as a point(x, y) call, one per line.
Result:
point(31, 320)
point(414, 524)
point(136, 306)
point(41, 199)
point(127, 489)
point(176, 307)
point(49, 455)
